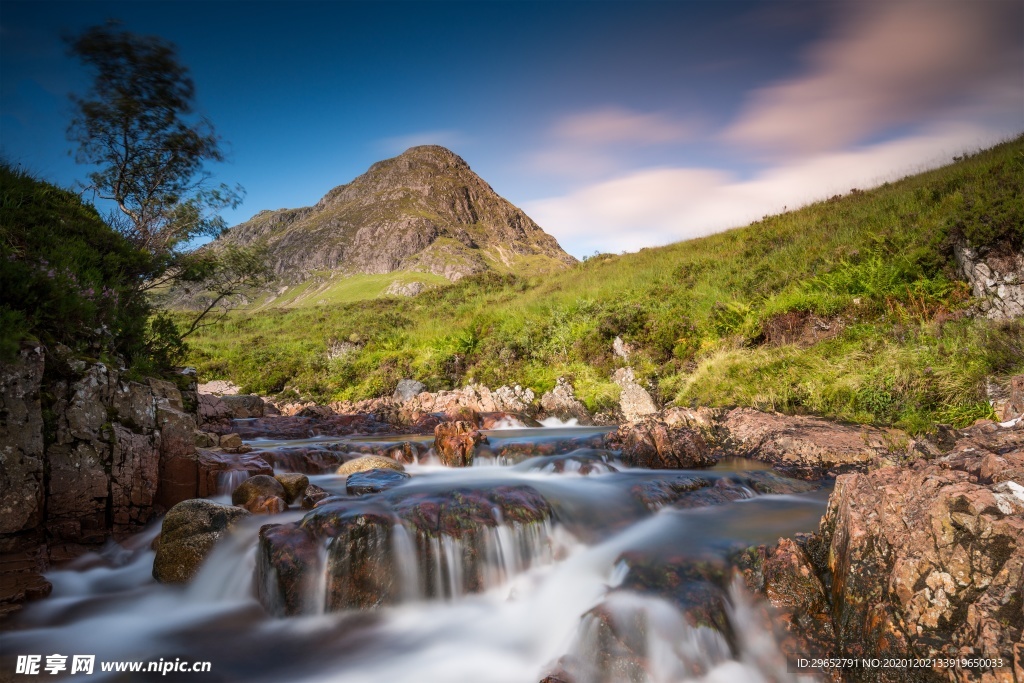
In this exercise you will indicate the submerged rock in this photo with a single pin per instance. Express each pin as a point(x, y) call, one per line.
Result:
point(374, 481)
point(189, 532)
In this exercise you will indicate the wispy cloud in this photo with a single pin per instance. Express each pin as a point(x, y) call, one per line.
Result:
point(889, 64)
point(663, 205)
point(613, 125)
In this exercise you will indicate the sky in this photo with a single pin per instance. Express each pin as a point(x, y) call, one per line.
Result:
point(614, 125)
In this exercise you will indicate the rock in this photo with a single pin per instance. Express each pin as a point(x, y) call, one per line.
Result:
point(652, 443)
point(206, 440)
point(404, 289)
point(374, 481)
point(634, 401)
point(513, 399)
point(244, 405)
point(927, 561)
point(1015, 404)
point(808, 447)
point(214, 466)
point(407, 389)
point(369, 462)
point(455, 443)
point(231, 441)
point(21, 442)
point(287, 567)
point(503, 420)
point(218, 387)
point(561, 402)
point(621, 349)
point(997, 279)
point(257, 494)
point(294, 485)
point(313, 495)
point(213, 413)
point(189, 532)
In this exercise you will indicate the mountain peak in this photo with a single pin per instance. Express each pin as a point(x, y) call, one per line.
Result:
point(424, 210)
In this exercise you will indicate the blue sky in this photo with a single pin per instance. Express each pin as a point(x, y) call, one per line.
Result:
point(615, 125)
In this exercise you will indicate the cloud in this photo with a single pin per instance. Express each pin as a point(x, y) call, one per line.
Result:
point(664, 205)
point(613, 125)
point(889, 64)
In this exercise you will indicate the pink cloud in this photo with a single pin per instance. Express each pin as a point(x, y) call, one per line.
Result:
point(611, 125)
point(889, 64)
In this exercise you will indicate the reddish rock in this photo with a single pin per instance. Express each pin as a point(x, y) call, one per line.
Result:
point(260, 494)
point(455, 443)
point(294, 485)
point(653, 443)
point(313, 495)
point(287, 566)
point(808, 447)
point(243, 406)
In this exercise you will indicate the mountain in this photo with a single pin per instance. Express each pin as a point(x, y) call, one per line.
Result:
point(424, 211)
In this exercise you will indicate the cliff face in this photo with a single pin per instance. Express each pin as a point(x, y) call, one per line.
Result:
point(423, 211)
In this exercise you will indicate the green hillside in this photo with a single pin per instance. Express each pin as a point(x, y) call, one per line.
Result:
point(849, 308)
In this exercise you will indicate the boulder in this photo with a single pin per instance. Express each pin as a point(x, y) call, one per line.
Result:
point(214, 412)
point(455, 443)
point(808, 447)
point(407, 389)
point(634, 401)
point(287, 566)
point(561, 402)
point(313, 495)
point(244, 405)
point(189, 532)
point(374, 481)
point(652, 443)
point(230, 441)
point(214, 466)
point(294, 485)
point(369, 462)
point(261, 494)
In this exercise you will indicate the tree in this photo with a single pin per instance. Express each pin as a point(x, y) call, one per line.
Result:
point(137, 124)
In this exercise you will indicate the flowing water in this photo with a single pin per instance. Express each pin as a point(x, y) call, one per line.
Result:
point(510, 598)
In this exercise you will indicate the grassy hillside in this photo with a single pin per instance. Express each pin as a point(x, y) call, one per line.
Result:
point(849, 308)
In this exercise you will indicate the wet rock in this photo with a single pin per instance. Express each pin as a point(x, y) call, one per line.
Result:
point(288, 564)
point(189, 532)
point(583, 461)
point(634, 401)
point(407, 389)
point(230, 441)
point(927, 560)
point(369, 462)
point(455, 443)
point(809, 447)
point(244, 406)
point(313, 495)
point(294, 485)
point(505, 420)
point(561, 402)
point(313, 459)
point(374, 481)
point(214, 465)
point(261, 494)
point(653, 443)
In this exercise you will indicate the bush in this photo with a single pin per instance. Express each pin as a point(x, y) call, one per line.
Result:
point(65, 275)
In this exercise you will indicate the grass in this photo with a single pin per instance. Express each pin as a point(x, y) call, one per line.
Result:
point(875, 267)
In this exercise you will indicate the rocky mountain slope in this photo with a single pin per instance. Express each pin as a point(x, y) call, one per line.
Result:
point(424, 211)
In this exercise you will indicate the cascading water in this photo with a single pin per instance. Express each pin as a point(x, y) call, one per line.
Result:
point(486, 574)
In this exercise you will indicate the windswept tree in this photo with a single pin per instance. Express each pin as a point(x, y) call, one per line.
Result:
point(137, 126)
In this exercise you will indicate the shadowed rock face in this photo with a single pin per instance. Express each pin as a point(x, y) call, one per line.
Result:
point(424, 210)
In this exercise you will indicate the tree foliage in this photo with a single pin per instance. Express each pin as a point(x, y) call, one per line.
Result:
point(137, 124)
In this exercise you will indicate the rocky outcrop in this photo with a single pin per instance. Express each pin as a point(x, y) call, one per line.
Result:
point(996, 278)
point(21, 443)
point(189, 533)
point(455, 443)
point(655, 444)
point(634, 401)
point(561, 402)
point(244, 405)
point(804, 446)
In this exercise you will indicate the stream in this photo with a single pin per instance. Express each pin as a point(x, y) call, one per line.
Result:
point(554, 559)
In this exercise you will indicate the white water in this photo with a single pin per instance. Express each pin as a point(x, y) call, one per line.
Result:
point(540, 581)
